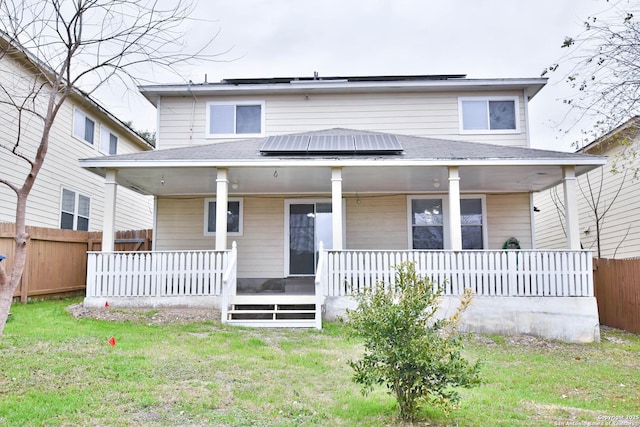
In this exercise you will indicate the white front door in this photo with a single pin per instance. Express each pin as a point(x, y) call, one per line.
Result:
point(308, 222)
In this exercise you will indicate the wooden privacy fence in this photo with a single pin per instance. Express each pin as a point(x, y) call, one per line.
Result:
point(57, 259)
point(617, 289)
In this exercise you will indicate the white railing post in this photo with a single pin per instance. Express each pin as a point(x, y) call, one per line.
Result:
point(588, 265)
point(91, 275)
point(229, 282)
point(320, 284)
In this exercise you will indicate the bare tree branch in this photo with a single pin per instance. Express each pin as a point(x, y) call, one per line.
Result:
point(601, 68)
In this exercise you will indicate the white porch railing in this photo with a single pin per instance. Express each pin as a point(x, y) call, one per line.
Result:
point(488, 273)
point(155, 274)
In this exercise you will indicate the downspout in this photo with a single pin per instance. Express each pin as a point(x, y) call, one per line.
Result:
point(158, 105)
point(525, 101)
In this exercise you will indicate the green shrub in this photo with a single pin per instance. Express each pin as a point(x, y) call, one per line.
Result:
point(417, 356)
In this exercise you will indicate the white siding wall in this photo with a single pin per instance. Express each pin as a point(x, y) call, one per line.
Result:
point(620, 232)
point(61, 168)
point(434, 114)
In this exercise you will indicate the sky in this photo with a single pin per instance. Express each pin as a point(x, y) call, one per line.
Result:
point(295, 38)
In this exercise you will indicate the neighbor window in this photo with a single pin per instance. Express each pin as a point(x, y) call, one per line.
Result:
point(75, 209)
point(499, 114)
point(430, 223)
point(108, 142)
point(83, 126)
point(234, 217)
point(235, 119)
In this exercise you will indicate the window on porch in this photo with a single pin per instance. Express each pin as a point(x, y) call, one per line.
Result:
point(430, 225)
point(234, 217)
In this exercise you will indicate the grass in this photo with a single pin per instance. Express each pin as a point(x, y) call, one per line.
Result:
point(57, 370)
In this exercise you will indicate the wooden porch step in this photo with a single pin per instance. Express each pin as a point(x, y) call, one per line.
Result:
point(291, 311)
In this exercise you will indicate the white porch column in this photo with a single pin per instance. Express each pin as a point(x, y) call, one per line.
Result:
point(569, 183)
point(455, 226)
point(222, 201)
point(109, 217)
point(336, 207)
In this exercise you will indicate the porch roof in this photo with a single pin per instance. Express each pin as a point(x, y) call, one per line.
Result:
point(484, 167)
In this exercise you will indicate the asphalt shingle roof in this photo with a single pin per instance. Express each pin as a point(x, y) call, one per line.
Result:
point(415, 148)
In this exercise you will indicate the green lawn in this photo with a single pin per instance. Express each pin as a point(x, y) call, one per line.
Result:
point(57, 370)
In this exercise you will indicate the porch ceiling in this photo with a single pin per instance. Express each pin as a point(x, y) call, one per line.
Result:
point(159, 180)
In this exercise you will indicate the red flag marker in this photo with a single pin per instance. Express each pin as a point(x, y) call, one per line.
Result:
point(112, 341)
point(106, 303)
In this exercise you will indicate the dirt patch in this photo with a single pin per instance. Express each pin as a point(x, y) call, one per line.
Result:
point(150, 316)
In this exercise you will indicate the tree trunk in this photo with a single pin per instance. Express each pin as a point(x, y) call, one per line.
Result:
point(9, 282)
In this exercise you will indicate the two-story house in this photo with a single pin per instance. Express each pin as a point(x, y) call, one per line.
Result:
point(327, 183)
point(65, 195)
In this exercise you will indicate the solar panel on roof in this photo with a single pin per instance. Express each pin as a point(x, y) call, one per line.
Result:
point(356, 143)
point(331, 143)
point(286, 143)
point(377, 142)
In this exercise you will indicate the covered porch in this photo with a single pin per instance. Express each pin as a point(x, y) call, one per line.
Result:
point(547, 293)
point(371, 223)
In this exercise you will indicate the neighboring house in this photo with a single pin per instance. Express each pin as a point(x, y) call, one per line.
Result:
point(610, 193)
point(327, 183)
point(64, 195)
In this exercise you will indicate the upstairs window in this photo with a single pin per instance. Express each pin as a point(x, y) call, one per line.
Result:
point(225, 119)
point(83, 127)
point(489, 115)
point(108, 142)
point(75, 209)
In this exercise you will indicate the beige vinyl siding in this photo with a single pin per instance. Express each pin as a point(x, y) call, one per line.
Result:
point(509, 215)
point(61, 169)
point(377, 222)
point(182, 119)
point(549, 222)
point(180, 226)
point(620, 229)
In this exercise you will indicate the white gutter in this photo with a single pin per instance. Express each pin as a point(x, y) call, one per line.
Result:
point(152, 91)
point(277, 162)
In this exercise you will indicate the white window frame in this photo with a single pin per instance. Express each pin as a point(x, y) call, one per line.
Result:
point(77, 111)
point(105, 149)
point(445, 219)
point(516, 102)
point(208, 133)
point(76, 206)
point(240, 220)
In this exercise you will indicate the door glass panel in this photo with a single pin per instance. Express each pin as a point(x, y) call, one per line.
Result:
point(324, 225)
point(302, 239)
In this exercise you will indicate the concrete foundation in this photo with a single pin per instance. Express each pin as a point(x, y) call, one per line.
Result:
point(570, 319)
